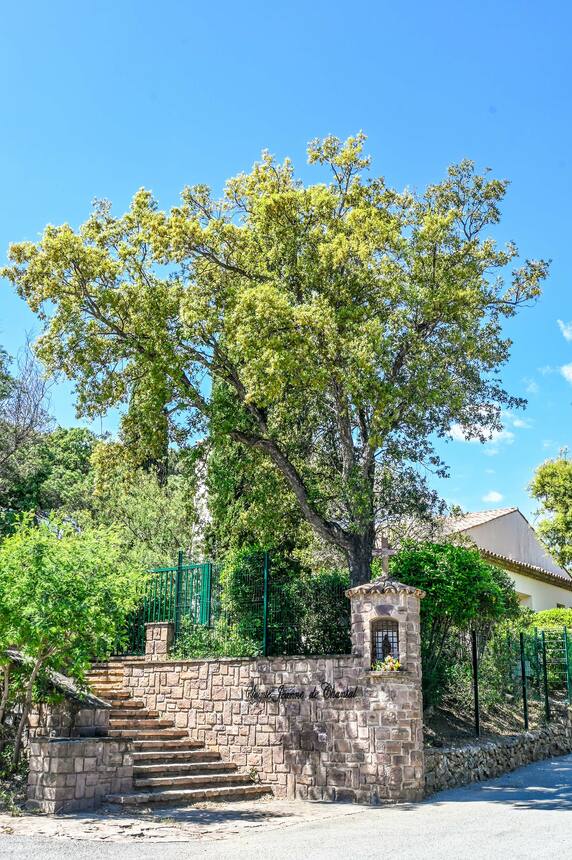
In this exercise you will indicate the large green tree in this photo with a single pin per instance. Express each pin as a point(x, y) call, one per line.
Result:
point(552, 487)
point(53, 473)
point(351, 323)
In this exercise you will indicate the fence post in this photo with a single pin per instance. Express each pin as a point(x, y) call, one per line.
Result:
point(545, 673)
point(205, 594)
point(476, 682)
point(178, 591)
point(568, 667)
point(523, 676)
point(265, 609)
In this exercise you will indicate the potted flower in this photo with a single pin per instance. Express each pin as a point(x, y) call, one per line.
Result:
point(390, 664)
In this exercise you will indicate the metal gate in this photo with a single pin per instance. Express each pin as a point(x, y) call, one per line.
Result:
point(171, 594)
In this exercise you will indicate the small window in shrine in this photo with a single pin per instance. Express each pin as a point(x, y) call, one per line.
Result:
point(384, 639)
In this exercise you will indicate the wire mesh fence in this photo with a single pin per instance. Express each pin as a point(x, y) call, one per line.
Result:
point(516, 680)
point(255, 610)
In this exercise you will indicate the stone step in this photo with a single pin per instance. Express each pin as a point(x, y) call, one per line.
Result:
point(138, 714)
point(187, 780)
point(148, 734)
point(109, 691)
point(167, 744)
point(140, 723)
point(190, 795)
point(95, 680)
point(183, 767)
point(128, 705)
point(116, 696)
point(162, 756)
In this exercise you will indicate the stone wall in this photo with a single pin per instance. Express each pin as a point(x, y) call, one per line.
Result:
point(68, 774)
point(454, 766)
point(68, 720)
point(323, 728)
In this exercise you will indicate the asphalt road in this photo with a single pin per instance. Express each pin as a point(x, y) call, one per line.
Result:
point(525, 814)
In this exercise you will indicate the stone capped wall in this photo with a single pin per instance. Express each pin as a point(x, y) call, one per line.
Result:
point(306, 740)
point(67, 774)
point(67, 720)
point(454, 766)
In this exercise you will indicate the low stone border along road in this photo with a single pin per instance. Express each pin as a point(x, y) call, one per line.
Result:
point(524, 814)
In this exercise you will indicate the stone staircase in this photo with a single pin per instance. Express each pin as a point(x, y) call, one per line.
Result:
point(168, 765)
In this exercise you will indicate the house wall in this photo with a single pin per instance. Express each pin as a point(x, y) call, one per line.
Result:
point(540, 595)
point(512, 536)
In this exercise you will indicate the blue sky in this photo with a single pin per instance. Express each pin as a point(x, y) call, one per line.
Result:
point(100, 98)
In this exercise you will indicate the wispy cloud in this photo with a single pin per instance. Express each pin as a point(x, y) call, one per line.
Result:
point(546, 369)
point(459, 433)
point(566, 329)
point(493, 496)
point(566, 371)
point(516, 421)
point(491, 447)
point(532, 387)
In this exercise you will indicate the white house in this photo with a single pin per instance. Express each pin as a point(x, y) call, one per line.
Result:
point(506, 539)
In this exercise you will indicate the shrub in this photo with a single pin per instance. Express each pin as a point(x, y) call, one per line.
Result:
point(325, 623)
point(197, 642)
point(64, 598)
point(552, 618)
point(462, 591)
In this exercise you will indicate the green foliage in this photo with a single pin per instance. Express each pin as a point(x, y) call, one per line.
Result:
point(55, 473)
point(552, 618)
point(65, 593)
point(249, 500)
point(307, 613)
point(325, 615)
point(462, 592)
point(223, 640)
point(156, 514)
point(242, 597)
point(552, 487)
point(352, 322)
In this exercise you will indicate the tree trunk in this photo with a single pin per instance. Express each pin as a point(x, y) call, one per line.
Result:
point(5, 692)
point(26, 709)
point(360, 555)
point(4, 702)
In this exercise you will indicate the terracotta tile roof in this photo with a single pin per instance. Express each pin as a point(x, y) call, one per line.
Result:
point(454, 525)
point(469, 521)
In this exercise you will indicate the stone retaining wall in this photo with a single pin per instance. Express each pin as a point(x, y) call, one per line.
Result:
point(323, 728)
point(328, 731)
point(454, 766)
point(68, 774)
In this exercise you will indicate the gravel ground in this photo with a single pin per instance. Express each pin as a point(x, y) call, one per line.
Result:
point(525, 814)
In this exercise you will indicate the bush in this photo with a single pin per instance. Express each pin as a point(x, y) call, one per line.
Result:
point(306, 614)
point(325, 624)
point(242, 598)
point(195, 642)
point(552, 618)
point(64, 598)
point(462, 592)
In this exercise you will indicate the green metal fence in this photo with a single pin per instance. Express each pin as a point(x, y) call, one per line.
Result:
point(261, 612)
point(171, 594)
point(524, 675)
